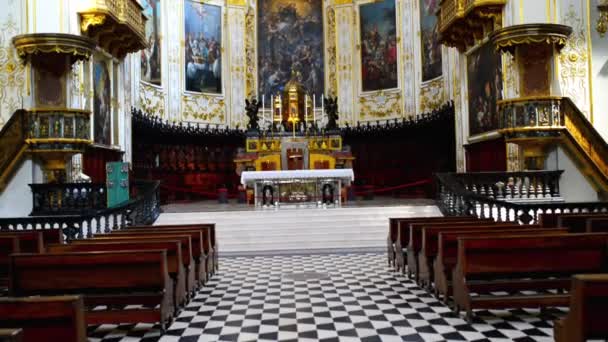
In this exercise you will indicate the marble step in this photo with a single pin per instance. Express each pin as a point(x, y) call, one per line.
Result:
point(301, 229)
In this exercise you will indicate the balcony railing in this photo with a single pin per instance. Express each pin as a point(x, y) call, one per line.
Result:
point(143, 209)
point(455, 199)
point(122, 18)
point(67, 198)
point(525, 186)
point(461, 22)
point(555, 117)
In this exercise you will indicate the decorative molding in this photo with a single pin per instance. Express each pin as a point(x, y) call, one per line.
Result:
point(12, 72)
point(251, 52)
point(332, 86)
point(203, 108)
point(152, 99)
point(381, 105)
point(432, 95)
point(506, 39)
point(72, 46)
point(573, 63)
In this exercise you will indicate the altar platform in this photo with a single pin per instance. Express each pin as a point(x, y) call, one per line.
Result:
point(244, 230)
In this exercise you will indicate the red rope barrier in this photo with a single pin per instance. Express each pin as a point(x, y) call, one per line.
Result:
point(398, 187)
point(194, 191)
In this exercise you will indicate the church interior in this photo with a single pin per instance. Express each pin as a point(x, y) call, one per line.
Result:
point(303, 170)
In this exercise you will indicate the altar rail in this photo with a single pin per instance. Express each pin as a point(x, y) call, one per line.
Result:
point(143, 209)
point(67, 198)
point(453, 199)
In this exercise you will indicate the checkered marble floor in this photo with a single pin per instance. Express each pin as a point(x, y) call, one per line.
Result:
point(333, 297)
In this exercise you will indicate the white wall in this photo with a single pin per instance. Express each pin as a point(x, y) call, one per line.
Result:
point(16, 199)
point(573, 185)
point(599, 74)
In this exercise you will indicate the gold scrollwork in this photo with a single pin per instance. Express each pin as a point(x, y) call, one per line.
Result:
point(204, 108)
point(74, 46)
point(250, 53)
point(332, 51)
point(381, 105)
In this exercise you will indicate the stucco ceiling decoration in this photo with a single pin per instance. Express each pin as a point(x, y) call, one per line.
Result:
point(117, 26)
point(463, 22)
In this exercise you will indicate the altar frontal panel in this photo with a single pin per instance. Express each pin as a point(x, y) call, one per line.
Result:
point(378, 29)
point(203, 29)
point(290, 39)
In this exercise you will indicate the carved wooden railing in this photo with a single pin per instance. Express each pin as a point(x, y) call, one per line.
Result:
point(143, 209)
point(12, 145)
point(454, 199)
point(67, 198)
point(554, 117)
point(512, 186)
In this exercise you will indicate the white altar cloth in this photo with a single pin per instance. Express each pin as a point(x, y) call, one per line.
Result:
point(248, 177)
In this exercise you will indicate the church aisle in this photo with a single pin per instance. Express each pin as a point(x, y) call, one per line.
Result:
point(332, 297)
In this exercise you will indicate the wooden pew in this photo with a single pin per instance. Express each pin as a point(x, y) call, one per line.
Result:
point(577, 223)
point(588, 316)
point(9, 244)
point(447, 252)
point(415, 240)
point(204, 256)
point(11, 335)
point(428, 244)
point(175, 265)
point(393, 226)
point(597, 225)
point(213, 239)
point(60, 318)
point(523, 263)
point(30, 241)
point(184, 239)
point(112, 279)
point(403, 235)
point(199, 267)
point(214, 249)
point(49, 235)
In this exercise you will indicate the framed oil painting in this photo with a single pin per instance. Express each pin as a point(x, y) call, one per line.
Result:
point(378, 30)
point(203, 29)
point(102, 102)
point(290, 40)
point(484, 72)
point(429, 40)
point(151, 56)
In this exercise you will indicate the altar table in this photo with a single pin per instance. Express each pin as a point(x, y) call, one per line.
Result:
point(299, 187)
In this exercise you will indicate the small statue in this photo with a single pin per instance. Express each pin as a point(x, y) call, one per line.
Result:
point(331, 109)
point(252, 109)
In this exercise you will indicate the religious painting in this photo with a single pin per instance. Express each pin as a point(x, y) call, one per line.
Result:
point(102, 103)
point(203, 28)
point(429, 40)
point(150, 57)
point(378, 45)
point(290, 42)
point(484, 71)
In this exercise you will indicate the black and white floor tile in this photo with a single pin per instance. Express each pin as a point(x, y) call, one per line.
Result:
point(332, 297)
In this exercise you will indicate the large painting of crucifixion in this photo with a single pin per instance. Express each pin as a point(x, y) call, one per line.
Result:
point(290, 39)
